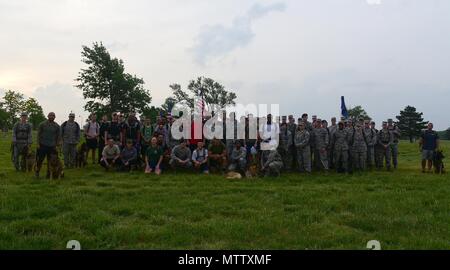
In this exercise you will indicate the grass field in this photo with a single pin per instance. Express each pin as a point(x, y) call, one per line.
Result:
point(404, 209)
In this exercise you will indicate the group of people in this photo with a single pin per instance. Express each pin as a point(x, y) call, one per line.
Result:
point(126, 143)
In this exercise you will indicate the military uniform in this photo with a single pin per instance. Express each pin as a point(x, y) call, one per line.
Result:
point(384, 144)
point(358, 144)
point(70, 133)
point(284, 146)
point(292, 149)
point(395, 131)
point(301, 142)
point(340, 150)
point(274, 163)
point(331, 131)
point(371, 137)
point(22, 138)
point(321, 141)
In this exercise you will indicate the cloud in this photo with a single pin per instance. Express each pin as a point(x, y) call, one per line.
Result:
point(218, 40)
point(61, 99)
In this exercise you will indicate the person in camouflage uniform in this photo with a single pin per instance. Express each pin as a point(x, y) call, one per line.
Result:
point(70, 133)
point(274, 164)
point(349, 127)
point(375, 147)
point(340, 148)
point(396, 133)
point(358, 144)
point(331, 130)
point(371, 137)
point(301, 142)
point(321, 141)
point(285, 145)
point(22, 138)
point(384, 139)
point(292, 126)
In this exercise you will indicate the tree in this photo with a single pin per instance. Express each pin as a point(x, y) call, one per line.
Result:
point(168, 105)
point(357, 113)
point(35, 112)
point(106, 86)
point(411, 123)
point(4, 117)
point(212, 93)
point(151, 113)
point(447, 133)
point(12, 104)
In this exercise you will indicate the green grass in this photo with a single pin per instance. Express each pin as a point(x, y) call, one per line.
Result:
point(403, 210)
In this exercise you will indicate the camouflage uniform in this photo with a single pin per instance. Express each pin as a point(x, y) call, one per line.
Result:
point(70, 133)
point(22, 138)
point(321, 141)
point(395, 131)
point(285, 145)
point(384, 139)
point(340, 150)
point(274, 163)
point(331, 131)
point(358, 143)
point(293, 150)
point(301, 142)
point(371, 137)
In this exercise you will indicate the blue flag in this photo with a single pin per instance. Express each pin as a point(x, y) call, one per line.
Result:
point(344, 111)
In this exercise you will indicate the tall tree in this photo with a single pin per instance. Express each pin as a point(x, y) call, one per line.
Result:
point(35, 112)
point(106, 86)
point(411, 123)
point(12, 103)
point(358, 112)
point(211, 91)
point(168, 105)
point(151, 113)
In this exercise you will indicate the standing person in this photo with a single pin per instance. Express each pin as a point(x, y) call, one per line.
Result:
point(321, 141)
point(301, 143)
point(429, 144)
point(200, 158)
point(128, 157)
point(285, 145)
point(340, 147)
point(21, 139)
point(331, 130)
point(238, 157)
point(371, 136)
point(92, 132)
point(147, 132)
point(48, 138)
point(153, 157)
point(114, 130)
point(308, 125)
point(269, 133)
point(101, 137)
point(132, 132)
point(110, 156)
point(384, 141)
point(292, 126)
point(70, 133)
point(358, 144)
point(396, 133)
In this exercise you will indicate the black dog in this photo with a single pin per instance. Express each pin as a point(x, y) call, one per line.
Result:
point(81, 156)
point(438, 162)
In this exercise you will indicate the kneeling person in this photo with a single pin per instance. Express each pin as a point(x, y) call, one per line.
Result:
point(110, 155)
point(181, 156)
point(200, 158)
point(238, 158)
point(153, 157)
point(273, 165)
point(128, 156)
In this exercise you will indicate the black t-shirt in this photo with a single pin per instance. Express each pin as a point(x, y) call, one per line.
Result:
point(114, 129)
point(103, 128)
point(132, 130)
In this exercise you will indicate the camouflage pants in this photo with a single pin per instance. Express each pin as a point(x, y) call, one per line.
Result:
point(69, 152)
point(341, 160)
point(359, 160)
point(383, 155)
point(370, 156)
point(274, 168)
point(286, 155)
point(304, 159)
point(18, 158)
point(394, 154)
point(320, 159)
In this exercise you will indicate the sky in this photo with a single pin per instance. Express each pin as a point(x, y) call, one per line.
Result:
point(301, 54)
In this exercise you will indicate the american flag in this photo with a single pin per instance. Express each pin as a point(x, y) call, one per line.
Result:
point(201, 105)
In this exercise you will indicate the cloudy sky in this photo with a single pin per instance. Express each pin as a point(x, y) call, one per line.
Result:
point(301, 54)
